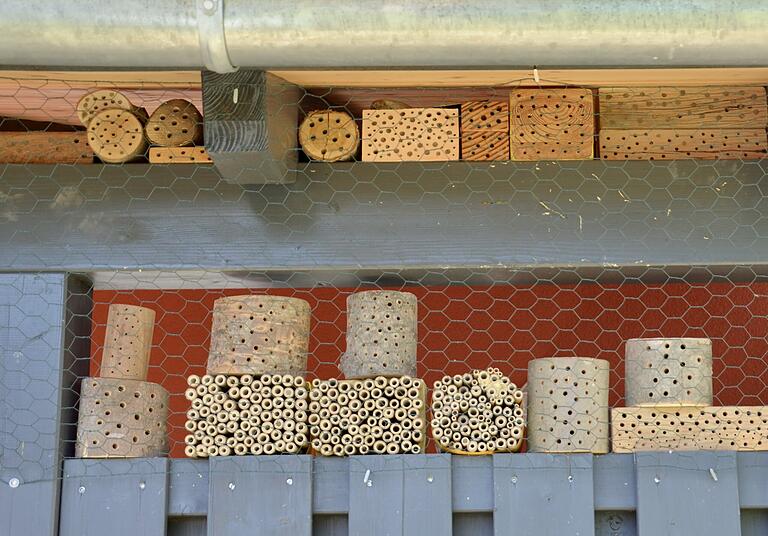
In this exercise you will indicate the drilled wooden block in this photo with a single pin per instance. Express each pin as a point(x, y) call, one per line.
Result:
point(668, 372)
point(175, 123)
point(259, 335)
point(45, 148)
point(568, 405)
point(179, 155)
point(329, 136)
point(127, 342)
point(671, 144)
point(690, 428)
point(690, 107)
point(485, 115)
point(117, 136)
point(102, 99)
point(381, 334)
point(479, 145)
point(413, 134)
point(552, 124)
point(121, 419)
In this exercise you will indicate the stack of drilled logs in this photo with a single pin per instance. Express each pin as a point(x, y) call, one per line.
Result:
point(478, 413)
point(175, 130)
point(253, 399)
point(121, 414)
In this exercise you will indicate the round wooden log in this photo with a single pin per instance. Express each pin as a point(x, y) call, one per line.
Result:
point(94, 102)
point(127, 342)
point(175, 123)
point(116, 136)
point(568, 405)
point(121, 419)
point(669, 372)
point(259, 335)
point(329, 136)
point(381, 334)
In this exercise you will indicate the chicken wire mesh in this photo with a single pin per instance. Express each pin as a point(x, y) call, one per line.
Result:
point(509, 261)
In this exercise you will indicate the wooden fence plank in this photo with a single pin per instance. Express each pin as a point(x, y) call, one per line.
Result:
point(677, 144)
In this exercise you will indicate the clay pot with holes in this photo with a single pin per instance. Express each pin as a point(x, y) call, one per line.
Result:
point(668, 372)
point(175, 123)
point(121, 418)
point(381, 334)
point(106, 99)
point(127, 342)
point(259, 335)
point(329, 136)
point(117, 136)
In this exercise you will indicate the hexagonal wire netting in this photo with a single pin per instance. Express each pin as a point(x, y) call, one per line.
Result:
point(510, 261)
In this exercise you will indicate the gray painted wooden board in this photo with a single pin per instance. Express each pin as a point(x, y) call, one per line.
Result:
point(686, 493)
point(543, 494)
point(115, 497)
point(471, 489)
point(330, 485)
point(260, 495)
point(188, 488)
point(616, 523)
point(615, 487)
point(400, 495)
point(753, 479)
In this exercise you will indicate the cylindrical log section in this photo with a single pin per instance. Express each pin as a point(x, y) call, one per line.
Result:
point(329, 136)
point(105, 99)
point(259, 335)
point(117, 136)
point(381, 334)
point(127, 342)
point(568, 405)
point(175, 123)
point(121, 419)
point(668, 372)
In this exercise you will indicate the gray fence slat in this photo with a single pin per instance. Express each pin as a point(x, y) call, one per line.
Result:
point(115, 497)
point(188, 488)
point(260, 495)
point(471, 478)
point(687, 493)
point(330, 481)
point(753, 476)
point(615, 487)
point(427, 495)
point(543, 494)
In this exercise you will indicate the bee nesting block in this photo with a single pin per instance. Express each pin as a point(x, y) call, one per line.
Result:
point(104, 99)
point(568, 405)
point(412, 134)
point(668, 372)
point(381, 334)
point(485, 130)
point(478, 413)
point(127, 342)
point(259, 335)
point(117, 136)
point(329, 136)
point(122, 418)
point(175, 123)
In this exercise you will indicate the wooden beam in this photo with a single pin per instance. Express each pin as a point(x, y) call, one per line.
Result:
point(45, 148)
point(102, 79)
point(677, 144)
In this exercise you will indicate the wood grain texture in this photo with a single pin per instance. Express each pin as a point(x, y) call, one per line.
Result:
point(689, 428)
point(45, 148)
point(480, 145)
point(329, 136)
point(674, 107)
point(671, 144)
point(552, 124)
point(179, 155)
point(116, 136)
point(415, 134)
point(485, 130)
point(175, 123)
point(485, 115)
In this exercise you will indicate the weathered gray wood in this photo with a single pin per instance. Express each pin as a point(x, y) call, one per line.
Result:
point(330, 485)
point(43, 327)
point(427, 495)
point(473, 524)
point(754, 522)
point(330, 525)
point(260, 495)
point(615, 487)
point(251, 124)
point(470, 489)
point(121, 497)
point(617, 523)
point(187, 526)
point(188, 487)
point(543, 494)
point(753, 479)
point(687, 493)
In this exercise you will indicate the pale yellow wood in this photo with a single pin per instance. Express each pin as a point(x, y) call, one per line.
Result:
point(408, 135)
point(179, 155)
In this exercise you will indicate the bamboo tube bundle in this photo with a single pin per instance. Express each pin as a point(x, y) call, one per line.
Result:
point(239, 415)
point(480, 412)
point(372, 416)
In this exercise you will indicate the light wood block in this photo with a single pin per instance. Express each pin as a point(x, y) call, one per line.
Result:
point(552, 124)
point(179, 155)
point(485, 130)
point(175, 123)
point(671, 144)
point(45, 148)
point(411, 135)
point(674, 107)
point(689, 428)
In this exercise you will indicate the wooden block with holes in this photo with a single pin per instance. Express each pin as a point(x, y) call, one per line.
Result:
point(485, 130)
point(683, 108)
point(45, 148)
point(673, 144)
point(179, 155)
point(552, 124)
point(690, 428)
point(411, 135)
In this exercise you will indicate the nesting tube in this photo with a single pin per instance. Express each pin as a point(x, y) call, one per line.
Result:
point(127, 342)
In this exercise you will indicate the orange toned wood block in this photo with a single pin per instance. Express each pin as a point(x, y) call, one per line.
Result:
point(179, 155)
point(671, 144)
point(485, 130)
point(45, 148)
point(411, 135)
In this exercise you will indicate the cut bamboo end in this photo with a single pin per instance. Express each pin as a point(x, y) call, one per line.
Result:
point(175, 123)
point(128, 342)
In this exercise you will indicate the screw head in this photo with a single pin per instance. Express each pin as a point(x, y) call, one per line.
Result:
point(14, 482)
point(430, 479)
point(81, 490)
point(514, 479)
point(142, 485)
point(289, 482)
point(231, 486)
point(570, 478)
point(208, 5)
point(656, 479)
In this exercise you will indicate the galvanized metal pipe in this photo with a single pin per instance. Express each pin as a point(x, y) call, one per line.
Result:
point(396, 33)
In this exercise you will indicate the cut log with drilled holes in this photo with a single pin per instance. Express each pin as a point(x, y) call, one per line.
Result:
point(45, 148)
point(690, 428)
point(175, 123)
point(179, 155)
point(372, 416)
point(552, 124)
point(676, 144)
point(116, 136)
point(329, 136)
point(121, 418)
point(479, 145)
point(693, 107)
point(105, 99)
point(411, 135)
point(485, 130)
point(127, 342)
point(481, 412)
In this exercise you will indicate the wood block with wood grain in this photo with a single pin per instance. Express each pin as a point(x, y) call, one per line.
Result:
point(485, 130)
point(45, 148)
point(678, 144)
point(179, 155)
point(411, 135)
point(552, 124)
